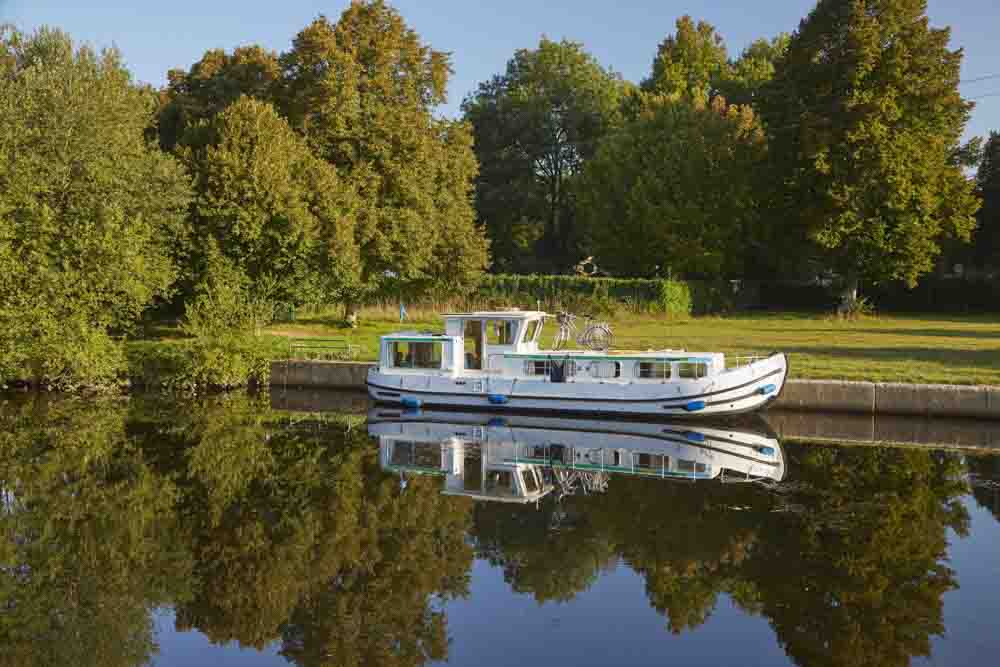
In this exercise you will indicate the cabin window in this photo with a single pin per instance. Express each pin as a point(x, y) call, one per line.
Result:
point(402, 453)
point(606, 369)
point(413, 354)
point(500, 482)
point(530, 481)
point(474, 345)
point(649, 462)
point(531, 332)
point(536, 368)
point(691, 466)
point(500, 332)
point(472, 469)
point(689, 370)
point(412, 454)
point(544, 367)
point(534, 452)
point(654, 370)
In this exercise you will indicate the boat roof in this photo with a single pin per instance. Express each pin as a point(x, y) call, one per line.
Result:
point(499, 315)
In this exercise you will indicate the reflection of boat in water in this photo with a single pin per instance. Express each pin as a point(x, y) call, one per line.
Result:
point(522, 458)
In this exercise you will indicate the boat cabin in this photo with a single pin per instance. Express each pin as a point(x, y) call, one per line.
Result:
point(506, 343)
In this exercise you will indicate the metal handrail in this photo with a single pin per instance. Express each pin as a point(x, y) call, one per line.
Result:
point(337, 348)
point(744, 360)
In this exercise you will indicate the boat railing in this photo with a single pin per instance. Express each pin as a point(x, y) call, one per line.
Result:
point(733, 363)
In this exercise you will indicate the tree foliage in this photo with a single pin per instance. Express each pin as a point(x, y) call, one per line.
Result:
point(987, 238)
point(211, 85)
point(674, 190)
point(747, 76)
point(92, 216)
point(363, 92)
point(865, 115)
point(281, 216)
point(535, 126)
point(689, 63)
point(383, 187)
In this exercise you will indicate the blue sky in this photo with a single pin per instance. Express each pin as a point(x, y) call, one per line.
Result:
point(622, 34)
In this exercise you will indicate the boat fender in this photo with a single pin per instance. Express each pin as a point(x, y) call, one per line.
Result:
point(694, 406)
point(497, 399)
point(766, 451)
point(497, 422)
point(410, 402)
point(767, 389)
point(694, 436)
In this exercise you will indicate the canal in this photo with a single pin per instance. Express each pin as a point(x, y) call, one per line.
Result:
point(314, 529)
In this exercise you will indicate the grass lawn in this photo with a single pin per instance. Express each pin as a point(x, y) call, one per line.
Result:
point(939, 349)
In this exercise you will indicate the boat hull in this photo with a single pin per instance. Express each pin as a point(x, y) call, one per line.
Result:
point(747, 389)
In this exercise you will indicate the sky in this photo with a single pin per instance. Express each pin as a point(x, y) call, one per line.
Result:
point(481, 36)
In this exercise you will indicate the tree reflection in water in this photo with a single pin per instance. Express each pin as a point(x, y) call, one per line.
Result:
point(253, 530)
point(261, 530)
point(984, 472)
point(846, 560)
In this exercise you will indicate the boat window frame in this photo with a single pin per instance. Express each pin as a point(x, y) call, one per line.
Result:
point(436, 346)
point(532, 329)
point(664, 364)
point(684, 366)
point(570, 370)
point(511, 329)
point(530, 481)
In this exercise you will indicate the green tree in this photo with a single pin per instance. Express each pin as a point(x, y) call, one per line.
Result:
point(280, 215)
point(535, 126)
point(675, 189)
point(690, 63)
point(211, 85)
point(987, 238)
point(748, 74)
point(363, 93)
point(92, 216)
point(865, 116)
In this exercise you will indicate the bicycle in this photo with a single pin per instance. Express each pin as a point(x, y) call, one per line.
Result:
point(595, 335)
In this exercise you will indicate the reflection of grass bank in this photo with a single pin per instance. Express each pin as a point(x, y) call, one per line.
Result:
point(915, 348)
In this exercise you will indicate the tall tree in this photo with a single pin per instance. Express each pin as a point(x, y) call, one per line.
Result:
point(674, 190)
point(987, 246)
point(282, 216)
point(85, 247)
point(211, 85)
point(690, 63)
point(535, 126)
point(865, 116)
point(363, 92)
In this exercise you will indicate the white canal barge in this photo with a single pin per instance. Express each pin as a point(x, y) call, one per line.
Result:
point(492, 360)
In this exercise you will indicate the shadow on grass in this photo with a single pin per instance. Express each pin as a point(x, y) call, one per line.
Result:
point(948, 357)
point(937, 333)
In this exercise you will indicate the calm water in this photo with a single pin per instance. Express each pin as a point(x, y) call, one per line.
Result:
point(226, 532)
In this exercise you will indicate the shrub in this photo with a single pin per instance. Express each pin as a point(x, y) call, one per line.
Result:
point(224, 321)
point(675, 298)
point(858, 309)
